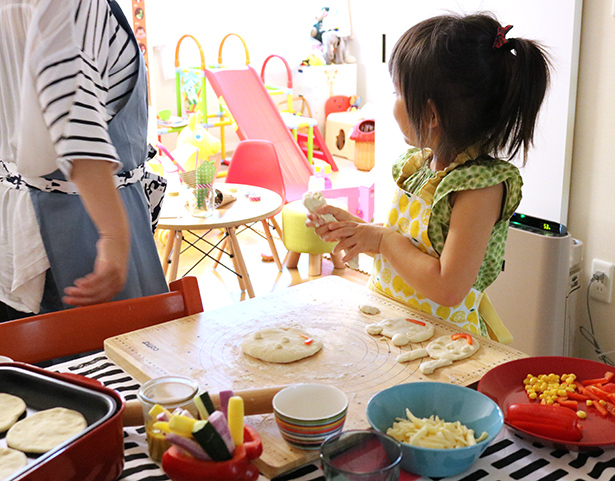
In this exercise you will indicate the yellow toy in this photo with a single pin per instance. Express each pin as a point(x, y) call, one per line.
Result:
point(195, 144)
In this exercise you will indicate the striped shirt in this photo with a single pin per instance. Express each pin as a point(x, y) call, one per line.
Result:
point(66, 69)
point(81, 90)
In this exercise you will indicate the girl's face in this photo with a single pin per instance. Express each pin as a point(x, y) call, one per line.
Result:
point(401, 116)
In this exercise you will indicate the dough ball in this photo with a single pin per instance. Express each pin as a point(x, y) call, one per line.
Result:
point(370, 310)
point(281, 344)
point(11, 461)
point(11, 409)
point(45, 430)
point(407, 330)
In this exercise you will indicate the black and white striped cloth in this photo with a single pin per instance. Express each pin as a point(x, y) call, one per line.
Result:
point(507, 458)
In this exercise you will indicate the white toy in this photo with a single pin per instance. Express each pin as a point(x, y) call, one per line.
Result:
point(443, 350)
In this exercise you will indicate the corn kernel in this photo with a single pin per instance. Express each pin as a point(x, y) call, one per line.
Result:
point(581, 414)
point(532, 395)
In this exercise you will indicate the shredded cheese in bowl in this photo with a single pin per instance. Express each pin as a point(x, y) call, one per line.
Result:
point(433, 432)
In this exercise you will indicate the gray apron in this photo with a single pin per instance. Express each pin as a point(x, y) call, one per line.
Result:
point(68, 233)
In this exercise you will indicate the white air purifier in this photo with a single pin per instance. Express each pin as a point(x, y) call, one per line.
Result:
point(535, 293)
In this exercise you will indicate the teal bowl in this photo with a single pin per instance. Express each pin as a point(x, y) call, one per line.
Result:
point(449, 402)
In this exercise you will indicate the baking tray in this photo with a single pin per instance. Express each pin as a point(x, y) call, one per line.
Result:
point(99, 448)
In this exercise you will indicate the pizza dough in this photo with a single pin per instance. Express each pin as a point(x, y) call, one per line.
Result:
point(312, 201)
point(443, 351)
point(402, 331)
point(44, 430)
point(370, 310)
point(11, 409)
point(281, 344)
point(11, 461)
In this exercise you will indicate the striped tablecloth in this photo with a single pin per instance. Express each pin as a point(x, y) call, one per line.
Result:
point(508, 457)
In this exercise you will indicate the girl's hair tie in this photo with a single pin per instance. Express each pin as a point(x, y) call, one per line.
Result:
point(500, 36)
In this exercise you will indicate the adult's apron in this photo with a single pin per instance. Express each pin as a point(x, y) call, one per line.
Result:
point(68, 233)
point(411, 216)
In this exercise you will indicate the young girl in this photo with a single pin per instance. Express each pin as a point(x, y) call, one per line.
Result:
point(466, 94)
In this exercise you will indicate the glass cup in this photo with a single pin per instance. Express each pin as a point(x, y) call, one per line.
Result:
point(361, 456)
point(170, 392)
point(202, 202)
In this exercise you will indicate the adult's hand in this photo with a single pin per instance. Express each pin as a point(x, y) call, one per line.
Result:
point(94, 179)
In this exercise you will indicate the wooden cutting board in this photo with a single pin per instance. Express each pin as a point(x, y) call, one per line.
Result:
point(207, 348)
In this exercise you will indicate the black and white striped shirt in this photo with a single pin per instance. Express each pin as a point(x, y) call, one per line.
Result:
point(83, 87)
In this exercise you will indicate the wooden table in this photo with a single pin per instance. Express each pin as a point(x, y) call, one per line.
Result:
point(207, 348)
point(244, 210)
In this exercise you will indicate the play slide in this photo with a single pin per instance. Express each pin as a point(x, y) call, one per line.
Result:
point(257, 117)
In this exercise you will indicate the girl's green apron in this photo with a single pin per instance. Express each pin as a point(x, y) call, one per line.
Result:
point(421, 212)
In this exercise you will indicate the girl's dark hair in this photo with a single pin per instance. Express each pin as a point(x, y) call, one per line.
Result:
point(484, 96)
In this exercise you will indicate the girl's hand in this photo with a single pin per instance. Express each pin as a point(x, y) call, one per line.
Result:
point(108, 277)
point(340, 215)
point(355, 238)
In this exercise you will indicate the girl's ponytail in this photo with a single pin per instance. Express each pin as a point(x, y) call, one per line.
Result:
point(525, 84)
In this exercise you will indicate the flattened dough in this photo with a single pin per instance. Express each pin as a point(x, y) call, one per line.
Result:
point(11, 460)
point(11, 408)
point(280, 344)
point(44, 430)
point(442, 351)
point(401, 331)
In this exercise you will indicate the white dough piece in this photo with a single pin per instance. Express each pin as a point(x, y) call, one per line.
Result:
point(11, 460)
point(402, 331)
point(281, 344)
point(443, 351)
point(11, 408)
point(45, 430)
point(370, 310)
point(312, 201)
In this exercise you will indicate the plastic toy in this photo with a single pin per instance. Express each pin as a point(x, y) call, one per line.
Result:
point(258, 117)
point(191, 96)
point(195, 144)
point(295, 122)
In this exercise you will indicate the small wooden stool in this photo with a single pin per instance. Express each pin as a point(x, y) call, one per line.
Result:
point(299, 239)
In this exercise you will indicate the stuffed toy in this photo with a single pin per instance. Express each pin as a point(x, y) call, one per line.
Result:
point(334, 47)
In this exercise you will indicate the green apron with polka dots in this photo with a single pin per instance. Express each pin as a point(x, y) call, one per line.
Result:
point(421, 212)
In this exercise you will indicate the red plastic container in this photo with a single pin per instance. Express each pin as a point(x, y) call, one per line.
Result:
point(180, 467)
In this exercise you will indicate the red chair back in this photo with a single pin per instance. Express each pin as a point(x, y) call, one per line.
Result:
point(255, 162)
point(83, 329)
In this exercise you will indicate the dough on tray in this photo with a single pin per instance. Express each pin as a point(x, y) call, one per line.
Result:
point(11, 409)
point(11, 460)
point(44, 430)
point(281, 344)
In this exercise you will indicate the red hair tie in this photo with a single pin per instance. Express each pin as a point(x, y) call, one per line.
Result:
point(500, 37)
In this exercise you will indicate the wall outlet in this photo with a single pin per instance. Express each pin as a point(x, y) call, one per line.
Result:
point(602, 290)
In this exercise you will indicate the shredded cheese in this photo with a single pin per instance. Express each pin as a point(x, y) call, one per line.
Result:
point(433, 432)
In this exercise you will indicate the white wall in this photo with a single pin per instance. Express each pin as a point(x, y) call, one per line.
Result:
point(592, 192)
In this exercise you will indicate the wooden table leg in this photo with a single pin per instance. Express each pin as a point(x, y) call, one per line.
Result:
point(237, 271)
point(167, 251)
point(177, 248)
point(243, 270)
point(274, 251)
